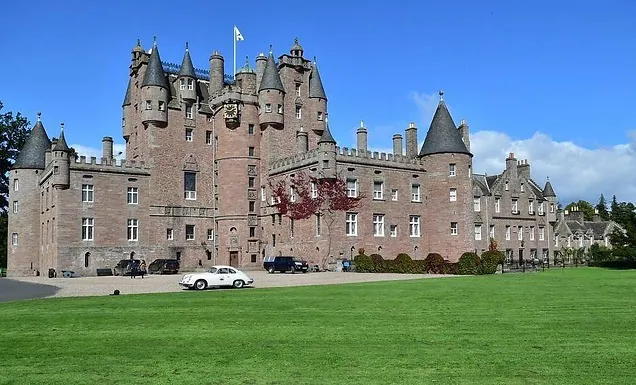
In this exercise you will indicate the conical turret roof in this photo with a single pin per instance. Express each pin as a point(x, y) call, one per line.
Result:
point(154, 75)
point(316, 90)
point(61, 142)
point(271, 78)
point(326, 136)
point(128, 97)
point(32, 154)
point(187, 69)
point(548, 191)
point(443, 136)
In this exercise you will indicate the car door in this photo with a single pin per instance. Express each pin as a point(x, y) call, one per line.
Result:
point(223, 277)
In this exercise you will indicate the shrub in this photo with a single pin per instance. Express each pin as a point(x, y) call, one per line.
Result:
point(378, 263)
point(490, 260)
point(469, 264)
point(451, 268)
point(401, 264)
point(434, 264)
point(363, 263)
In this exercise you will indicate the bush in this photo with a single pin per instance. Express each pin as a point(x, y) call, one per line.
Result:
point(451, 268)
point(363, 263)
point(469, 264)
point(378, 264)
point(490, 260)
point(402, 264)
point(434, 263)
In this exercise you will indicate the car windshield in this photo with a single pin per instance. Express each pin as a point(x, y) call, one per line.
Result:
point(212, 270)
point(296, 259)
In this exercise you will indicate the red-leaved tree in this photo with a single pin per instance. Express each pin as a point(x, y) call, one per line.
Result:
point(312, 196)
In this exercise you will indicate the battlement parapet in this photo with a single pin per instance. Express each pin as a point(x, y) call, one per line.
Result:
point(293, 162)
point(232, 93)
point(121, 165)
point(344, 154)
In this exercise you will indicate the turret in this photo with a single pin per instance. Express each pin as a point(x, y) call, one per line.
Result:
point(302, 140)
point(449, 196)
point(411, 141)
point(24, 204)
point(154, 91)
point(397, 144)
point(261, 62)
point(511, 166)
point(246, 78)
point(187, 78)
point(550, 196)
point(271, 95)
point(317, 97)
point(60, 154)
point(361, 136)
point(126, 111)
point(296, 49)
point(327, 149)
point(107, 150)
point(217, 73)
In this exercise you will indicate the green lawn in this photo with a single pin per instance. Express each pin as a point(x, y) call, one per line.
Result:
point(564, 326)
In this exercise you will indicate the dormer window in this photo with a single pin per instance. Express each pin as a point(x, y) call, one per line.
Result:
point(182, 84)
point(191, 84)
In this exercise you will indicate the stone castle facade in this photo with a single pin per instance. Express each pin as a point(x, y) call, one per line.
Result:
point(201, 149)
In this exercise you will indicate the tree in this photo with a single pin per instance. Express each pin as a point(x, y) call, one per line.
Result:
point(613, 207)
point(323, 197)
point(13, 133)
point(585, 206)
point(601, 207)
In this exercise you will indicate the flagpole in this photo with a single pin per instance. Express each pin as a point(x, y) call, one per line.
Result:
point(234, 40)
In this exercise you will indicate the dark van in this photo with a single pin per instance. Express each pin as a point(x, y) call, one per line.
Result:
point(285, 263)
point(164, 266)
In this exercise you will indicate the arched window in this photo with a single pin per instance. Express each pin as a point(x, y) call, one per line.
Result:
point(87, 258)
point(132, 255)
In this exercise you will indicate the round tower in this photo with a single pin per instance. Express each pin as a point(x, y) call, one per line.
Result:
point(23, 246)
point(246, 78)
point(302, 141)
point(447, 223)
point(154, 92)
point(217, 73)
point(327, 149)
point(261, 62)
point(60, 154)
point(187, 78)
point(271, 95)
point(317, 100)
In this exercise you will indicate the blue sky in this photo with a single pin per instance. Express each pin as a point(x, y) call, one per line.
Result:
point(555, 82)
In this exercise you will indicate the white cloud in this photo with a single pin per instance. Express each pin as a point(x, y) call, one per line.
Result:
point(119, 151)
point(426, 104)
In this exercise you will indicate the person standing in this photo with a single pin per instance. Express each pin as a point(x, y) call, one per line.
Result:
point(142, 268)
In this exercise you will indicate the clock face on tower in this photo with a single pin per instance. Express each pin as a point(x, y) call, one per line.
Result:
point(231, 111)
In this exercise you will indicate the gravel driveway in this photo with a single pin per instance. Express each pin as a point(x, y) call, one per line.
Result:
point(90, 286)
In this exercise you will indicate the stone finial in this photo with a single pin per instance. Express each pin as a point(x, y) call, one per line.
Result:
point(441, 95)
point(138, 42)
point(271, 49)
point(187, 46)
point(62, 127)
point(39, 116)
point(154, 41)
point(362, 124)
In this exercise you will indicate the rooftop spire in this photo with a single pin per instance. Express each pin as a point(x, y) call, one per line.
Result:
point(271, 77)
point(316, 90)
point(36, 145)
point(61, 142)
point(443, 136)
point(187, 69)
point(441, 95)
point(548, 191)
point(154, 75)
point(39, 116)
point(326, 135)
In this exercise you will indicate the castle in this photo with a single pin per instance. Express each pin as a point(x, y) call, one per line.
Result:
point(201, 147)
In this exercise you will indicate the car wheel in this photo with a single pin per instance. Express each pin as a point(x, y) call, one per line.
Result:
point(238, 284)
point(271, 270)
point(201, 284)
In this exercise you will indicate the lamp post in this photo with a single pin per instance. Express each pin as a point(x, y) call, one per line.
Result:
point(522, 260)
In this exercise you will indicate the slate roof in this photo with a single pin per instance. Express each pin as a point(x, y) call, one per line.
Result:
point(204, 97)
point(128, 97)
point(443, 136)
point(154, 75)
point(326, 136)
point(316, 90)
point(187, 69)
point(547, 190)
point(61, 145)
point(271, 78)
point(32, 154)
point(480, 181)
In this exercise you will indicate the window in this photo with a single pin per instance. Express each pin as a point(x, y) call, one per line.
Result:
point(188, 111)
point(552, 207)
point(532, 233)
point(263, 194)
point(211, 234)
point(478, 232)
point(531, 207)
point(415, 193)
point(477, 204)
point(87, 229)
point(515, 206)
point(188, 135)
point(352, 188)
point(250, 182)
point(521, 187)
point(15, 207)
point(251, 206)
point(280, 108)
point(208, 137)
point(453, 194)
point(520, 233)
point(414, 225)
point(250, 129)
point(297, 89)
point(133, 195)
point(491, 233)
point(497, 205)
point(268, 107)
point(191, 84)
point(351, 225)
point(451, 169)
point(299, 112)
point(15, 185)
point(378, 190)
point(162, 106)
point(506, 186)
point(393, 230)
point(14, 239)
point(133, 229)
point(507, 233)
point(291, 228)
point(190, 185)
point(169, 234)
point(123, 122)
point(189, 232)
point(540, 208)
point(250, 151)
point(394, 194)
point(148, 104)
point(542, 233)
point(320, 117)
point(453, 228)
point(87, 193)
point(292, 194)
point(318, 225)
point(273, 240)
point(314, 190)
point(252, 232)
point(182, 84)
point(216, 143)
point(378, 225)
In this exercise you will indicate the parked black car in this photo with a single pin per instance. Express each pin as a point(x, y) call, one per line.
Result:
point(123, 267)
point(164, 266)
point(285, 263)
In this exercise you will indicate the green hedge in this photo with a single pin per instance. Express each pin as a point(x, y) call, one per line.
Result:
point(469, 264)
point(435, 264)
point(403, 264)
point(490, 260)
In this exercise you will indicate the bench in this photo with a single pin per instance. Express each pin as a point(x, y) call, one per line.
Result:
point(104, 272)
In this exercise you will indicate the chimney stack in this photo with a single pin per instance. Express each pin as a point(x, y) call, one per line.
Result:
point(107, 150)
point(362, 138)
point(411, 141)
point(397, 144)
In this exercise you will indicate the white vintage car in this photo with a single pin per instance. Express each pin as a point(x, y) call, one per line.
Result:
point(216, 276)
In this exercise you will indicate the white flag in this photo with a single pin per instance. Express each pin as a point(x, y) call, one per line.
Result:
point(237, 34)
